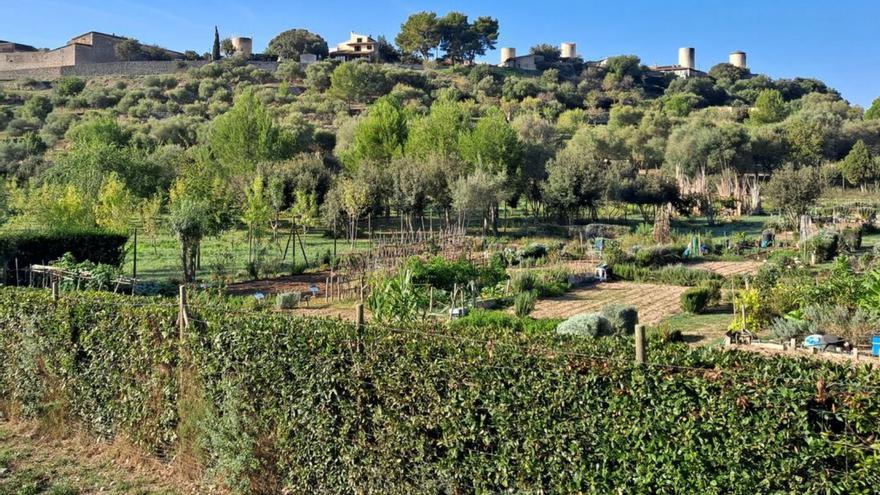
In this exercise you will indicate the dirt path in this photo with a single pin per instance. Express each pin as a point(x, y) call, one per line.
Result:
point(33, 462)
point(654, 302)
point(295, 283)
point(728, 268)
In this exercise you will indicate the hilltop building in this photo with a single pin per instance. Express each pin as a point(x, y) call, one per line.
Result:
point(356, 47)
point(88, 48)
point(531, 61)
point(687, 67)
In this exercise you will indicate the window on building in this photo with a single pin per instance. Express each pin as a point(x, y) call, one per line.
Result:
point(369, 47)
point(357, 48)
point(360, 40)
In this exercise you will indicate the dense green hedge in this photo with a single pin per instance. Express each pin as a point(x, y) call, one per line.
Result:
point(38, 247)
point(303, 404)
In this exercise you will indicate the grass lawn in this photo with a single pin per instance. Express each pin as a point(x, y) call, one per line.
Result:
point(32, 463)
point(703, 329)
point(226, 253)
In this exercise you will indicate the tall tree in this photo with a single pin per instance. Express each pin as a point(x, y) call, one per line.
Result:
point(859, 167)
point(292, 43)
point(215, 52)
point(246, 135)
point(420, 34)
point(454, 31)
point(227, 47)
point(793, 191)
point(483, 34)
point(380, 136)
point(769, 108)
point(873, 112)
point(357, 81)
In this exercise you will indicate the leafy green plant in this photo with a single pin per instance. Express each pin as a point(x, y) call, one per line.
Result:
point(287, 300)
point(397, 299)
point(670, 275)
point(586, 325)
point(623, 317)
point(788, 328)
point(695, 299)
point(524, 303)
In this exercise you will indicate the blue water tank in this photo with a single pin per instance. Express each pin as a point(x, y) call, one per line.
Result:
point(875, 346)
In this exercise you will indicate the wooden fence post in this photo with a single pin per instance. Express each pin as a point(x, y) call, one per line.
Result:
point(640, 344)
point(182, 318)
point(55, 290)
point(327, 290)
point(360, 316)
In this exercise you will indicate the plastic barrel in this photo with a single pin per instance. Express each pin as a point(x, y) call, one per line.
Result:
point(875, 346)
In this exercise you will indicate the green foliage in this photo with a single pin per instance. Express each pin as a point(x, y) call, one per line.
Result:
point(524, 303)
point(873, 113)
point(357, 82)
point(69, 86)
point(287, 300)
point(670, 275)
point(246, 135)
point(785, 329)
point(380, 136)
point(290, 44)
point(586, 325)
point(36, 247)
point(793, 191)
point(397, 299)
point(99, 276)
point(292, 403)
point(695, 299)
point(859, 166)
point(623, 318)
point(419, 35)
point(444, 274)
point(36, 107)
point(504, 322)
point(824, 245)
point(769, 108)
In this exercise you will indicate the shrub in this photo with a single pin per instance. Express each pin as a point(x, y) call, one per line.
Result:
point(280, 398)
point(523, 281)
point(695, 299)
point(851, 239)
point(623, 318)
point(69, 86)
point(586, 325)
point(607, 231)
point(670, 275)
point(785, 329)
point(824, 245)
point(659, 256)
point(34, 247)
point(287, 300)
point(533, 252)
point(524, 303)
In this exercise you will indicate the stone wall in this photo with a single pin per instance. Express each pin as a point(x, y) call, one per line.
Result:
point(115, 68)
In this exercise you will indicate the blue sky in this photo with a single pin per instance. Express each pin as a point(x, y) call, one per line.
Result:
point(834, 41)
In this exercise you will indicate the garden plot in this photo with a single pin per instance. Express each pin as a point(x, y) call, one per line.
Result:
point(654, 302)
point(729, 268)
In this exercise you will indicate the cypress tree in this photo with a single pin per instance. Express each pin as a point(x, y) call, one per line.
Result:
point(215, 54)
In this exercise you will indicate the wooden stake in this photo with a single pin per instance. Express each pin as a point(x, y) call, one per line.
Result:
point(640, 344)
point(55, 291)
point(360, 316)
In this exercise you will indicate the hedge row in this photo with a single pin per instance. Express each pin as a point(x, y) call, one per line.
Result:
point(276, 403)
point(38, 247)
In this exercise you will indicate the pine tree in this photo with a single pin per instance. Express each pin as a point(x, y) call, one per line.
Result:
point(858, 166)
point(215, 54)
